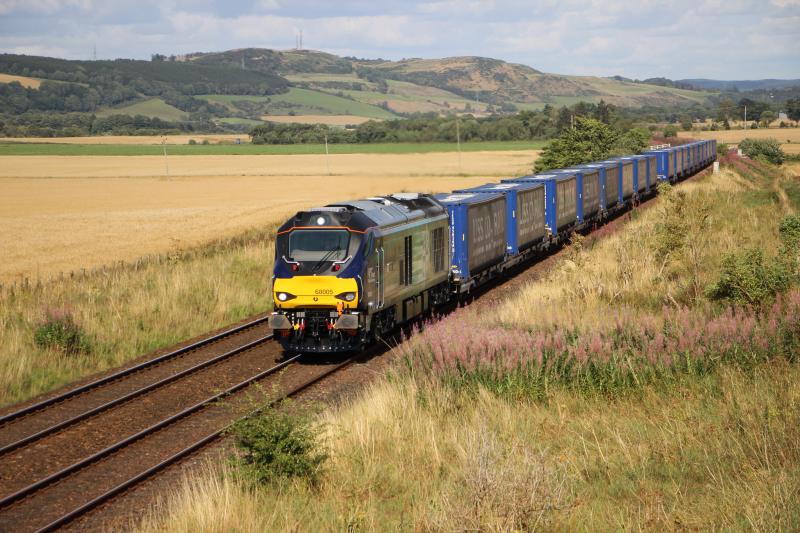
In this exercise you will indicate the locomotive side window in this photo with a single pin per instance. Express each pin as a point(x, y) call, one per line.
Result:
point(318, 245)
point(369, 245)
point(437, 249)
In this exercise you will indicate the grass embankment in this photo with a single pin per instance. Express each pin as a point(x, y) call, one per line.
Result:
point(125, 312)
point(612, 394)
point(56, 148)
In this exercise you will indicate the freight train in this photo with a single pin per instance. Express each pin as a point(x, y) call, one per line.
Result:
point(349, 272)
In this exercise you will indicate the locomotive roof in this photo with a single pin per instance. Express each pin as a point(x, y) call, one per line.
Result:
point(359, 215)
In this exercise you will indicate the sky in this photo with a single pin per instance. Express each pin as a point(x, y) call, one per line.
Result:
point(720, 39)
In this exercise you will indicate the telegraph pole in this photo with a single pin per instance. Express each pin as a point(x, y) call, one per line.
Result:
point(327, 156)
point(166, 161)
point(458, 143)
point(745, 117)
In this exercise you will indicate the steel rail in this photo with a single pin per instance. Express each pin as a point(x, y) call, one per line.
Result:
point(122, 373)
point(138, 392)
point(197, 445)
point(34, 487)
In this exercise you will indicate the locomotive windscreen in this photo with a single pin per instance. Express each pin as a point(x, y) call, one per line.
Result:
point(318, 245)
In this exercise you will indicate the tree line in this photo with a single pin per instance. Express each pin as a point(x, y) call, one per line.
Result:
point(430, 127)
point(41, 124)
point(86, 85)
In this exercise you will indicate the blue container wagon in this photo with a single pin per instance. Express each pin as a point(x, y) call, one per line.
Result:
point(477, 235)
point(524, 212)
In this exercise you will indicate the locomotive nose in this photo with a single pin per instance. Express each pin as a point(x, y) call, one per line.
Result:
point(318, 292)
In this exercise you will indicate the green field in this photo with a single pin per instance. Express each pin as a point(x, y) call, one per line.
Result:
point(29, 149)
point(153, 108)
point(310, 102)
point(304, 102)
point(240, 121)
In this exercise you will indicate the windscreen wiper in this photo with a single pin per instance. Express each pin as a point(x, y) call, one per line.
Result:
point(325, 258)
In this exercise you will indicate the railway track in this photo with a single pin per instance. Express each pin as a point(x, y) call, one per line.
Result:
point(78, 478)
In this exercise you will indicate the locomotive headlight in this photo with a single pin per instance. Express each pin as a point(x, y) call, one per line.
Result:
point(346, 296)
point(282, 296)
point(321, 221)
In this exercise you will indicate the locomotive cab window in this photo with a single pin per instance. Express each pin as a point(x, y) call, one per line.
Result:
point(318, 245)
point(368, 245)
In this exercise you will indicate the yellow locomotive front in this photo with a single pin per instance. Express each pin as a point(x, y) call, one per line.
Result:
point(320, 258)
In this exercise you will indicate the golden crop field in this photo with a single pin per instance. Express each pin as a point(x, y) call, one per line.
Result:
point(788, 137)
point(62, 213)
point(133, 139)
point(32, 83)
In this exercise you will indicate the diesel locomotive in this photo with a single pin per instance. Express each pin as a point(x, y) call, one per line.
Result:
point(348, 272)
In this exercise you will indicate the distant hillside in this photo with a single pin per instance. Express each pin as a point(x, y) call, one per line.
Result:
point(741, 85)
point(237, 89)
point(274, 61)
point(480, 79)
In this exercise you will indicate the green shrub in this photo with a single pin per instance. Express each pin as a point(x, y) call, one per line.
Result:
point(205, 142)
point(59, 331)
point(763, 149)
point(192, 142)
point(722, 149)
point(670, 131)
point(278, 444)
point(751, 278)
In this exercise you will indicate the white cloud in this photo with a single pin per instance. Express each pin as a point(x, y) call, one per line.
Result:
point(641, 38)
point(42, 6)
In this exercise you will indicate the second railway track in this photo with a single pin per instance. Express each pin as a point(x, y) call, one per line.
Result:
point(30, 423)
point(87, 464)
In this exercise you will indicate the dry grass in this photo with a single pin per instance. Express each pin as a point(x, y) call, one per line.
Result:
point(720, 453)
point(331, 120)
point(85, 215)
point(32, 83)
point(128, 312)
point(134, 139)
point(621, 273)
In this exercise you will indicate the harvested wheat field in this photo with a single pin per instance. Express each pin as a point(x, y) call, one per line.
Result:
point(32, 83)
point(134, 139)
point(788, 137)
point(330, 120)
point(66, 213)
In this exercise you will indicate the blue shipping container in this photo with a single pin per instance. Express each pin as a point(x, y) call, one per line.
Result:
point(477, 231)
point(524, 212)
point(560, 199)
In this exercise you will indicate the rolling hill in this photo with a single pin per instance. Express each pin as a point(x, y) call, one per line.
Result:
point(241, 88)
point(741, 85)
point(460, 80)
